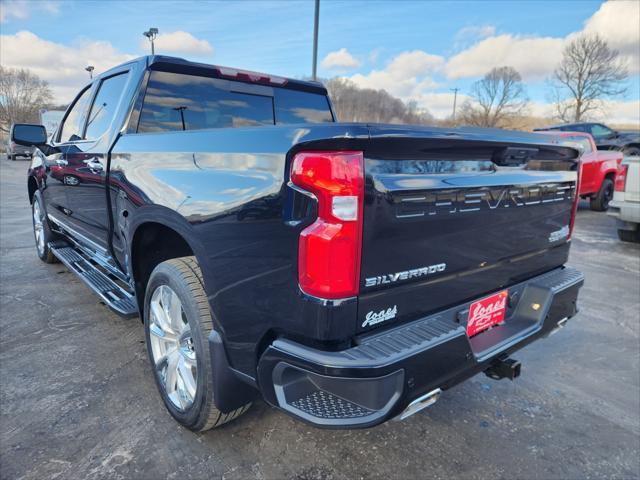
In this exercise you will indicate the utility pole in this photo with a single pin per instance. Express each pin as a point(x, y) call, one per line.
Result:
point(316, 21)
point(151, 34)
point(455, 98)
point(90, 69)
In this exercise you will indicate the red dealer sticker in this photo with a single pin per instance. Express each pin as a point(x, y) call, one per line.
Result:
point(486, 313)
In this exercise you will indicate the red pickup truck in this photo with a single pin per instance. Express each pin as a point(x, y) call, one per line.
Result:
point(598, 169)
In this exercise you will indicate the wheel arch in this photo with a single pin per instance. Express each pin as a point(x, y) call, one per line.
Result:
point(32, 186)
point(156, 236)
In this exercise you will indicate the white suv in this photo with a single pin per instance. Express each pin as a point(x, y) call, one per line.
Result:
point(625, 205)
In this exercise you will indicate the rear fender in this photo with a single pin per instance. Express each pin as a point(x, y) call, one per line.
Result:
point(168, 218)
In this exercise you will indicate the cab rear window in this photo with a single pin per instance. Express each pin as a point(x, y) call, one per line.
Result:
point(175, 102)
point(293, 106)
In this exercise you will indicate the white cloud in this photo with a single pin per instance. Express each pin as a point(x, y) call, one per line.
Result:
point(340, 60)
point(179, 42)
point(374, 55)
point(61, 65)
point(22, 9)
point(440, 104)
point(535, 57)
point(476, 31)
point(618, 22)
point(612, 111)
point(406, 76)
point(470, 34)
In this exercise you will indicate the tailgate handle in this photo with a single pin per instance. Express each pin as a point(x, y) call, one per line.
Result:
point(511, 156)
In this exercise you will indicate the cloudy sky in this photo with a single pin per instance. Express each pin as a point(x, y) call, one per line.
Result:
point(417, 50)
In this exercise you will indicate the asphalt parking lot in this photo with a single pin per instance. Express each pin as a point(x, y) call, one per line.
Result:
point(77, 399)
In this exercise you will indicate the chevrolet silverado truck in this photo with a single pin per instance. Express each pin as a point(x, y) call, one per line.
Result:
point(346, 273)
point(625, 206)
point(598, 169)
point(605, 138)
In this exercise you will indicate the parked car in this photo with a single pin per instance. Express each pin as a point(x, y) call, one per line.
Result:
point(15, 150)
point(598, 170)
point(375, 265)
point(605, 138)
point(625, 206)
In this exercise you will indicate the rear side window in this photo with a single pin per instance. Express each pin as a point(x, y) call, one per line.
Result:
point(105, 105)
point(72, 126)
point(176, 101)
point(293, 106)
point(600, 131)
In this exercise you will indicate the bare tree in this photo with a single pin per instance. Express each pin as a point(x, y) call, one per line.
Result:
point(589, 72)
point(354, 104)
point(22, 95)
point(496, 99)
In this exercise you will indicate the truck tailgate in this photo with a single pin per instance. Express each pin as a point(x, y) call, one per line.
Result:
point(449, 218)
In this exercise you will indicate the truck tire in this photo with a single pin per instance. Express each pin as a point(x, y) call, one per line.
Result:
point(629, 235)
point(631, 151)
point(41, 230)
point(600, 201)
point(177, 324)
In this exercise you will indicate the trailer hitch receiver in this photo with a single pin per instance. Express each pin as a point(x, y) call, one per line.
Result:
point(503, 367)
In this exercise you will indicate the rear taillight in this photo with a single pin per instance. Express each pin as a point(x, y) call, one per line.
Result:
point(330, 248)
point(621, 178)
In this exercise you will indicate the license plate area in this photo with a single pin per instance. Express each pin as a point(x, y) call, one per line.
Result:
point(486, 313)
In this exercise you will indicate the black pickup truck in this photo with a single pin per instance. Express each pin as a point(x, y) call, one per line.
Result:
point(346, 273)
point(604, 137)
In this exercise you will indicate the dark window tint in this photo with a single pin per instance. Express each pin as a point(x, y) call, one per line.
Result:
point(72, 127)
point(104, 106)
point(293, 106)
point(600, 131)
point(186, 102)
point(33, 134)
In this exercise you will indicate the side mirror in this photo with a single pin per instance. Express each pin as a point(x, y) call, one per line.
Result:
point(29, 135)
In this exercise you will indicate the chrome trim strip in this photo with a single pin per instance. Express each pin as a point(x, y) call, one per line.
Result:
point(98, 254)
point(65, 226)
point(293, 186)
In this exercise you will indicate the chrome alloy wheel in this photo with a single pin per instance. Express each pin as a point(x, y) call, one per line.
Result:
point(174, 355)
point(38, 227)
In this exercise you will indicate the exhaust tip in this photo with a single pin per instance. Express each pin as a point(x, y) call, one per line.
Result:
point(420, 403)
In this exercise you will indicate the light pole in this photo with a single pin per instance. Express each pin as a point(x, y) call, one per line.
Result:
point(151, 34)
point(90, 69)
point(316, 20)
point(181, 110)
point(455, 98)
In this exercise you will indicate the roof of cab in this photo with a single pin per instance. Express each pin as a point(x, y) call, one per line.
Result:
point(180, 65)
